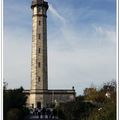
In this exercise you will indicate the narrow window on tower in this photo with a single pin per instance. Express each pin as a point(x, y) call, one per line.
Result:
point(38, 79)
point(39, 64)
point(39, 36)
point(39, 22)
point(39, 50)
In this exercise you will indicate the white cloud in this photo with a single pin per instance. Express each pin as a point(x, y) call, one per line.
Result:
point(80, 58)
point(106, 34)
point(55, 13)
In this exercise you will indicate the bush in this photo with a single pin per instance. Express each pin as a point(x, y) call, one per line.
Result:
point(14, 114)
point(25, 111)
point(61, 114)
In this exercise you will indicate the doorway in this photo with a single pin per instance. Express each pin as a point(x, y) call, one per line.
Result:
point(38, 104)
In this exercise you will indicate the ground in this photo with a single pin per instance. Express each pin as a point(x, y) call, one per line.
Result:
point(35, 117)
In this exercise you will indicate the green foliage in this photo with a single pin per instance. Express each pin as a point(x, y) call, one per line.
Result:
point(13, 100)
point(76, 110)
point(61, 114)
point(25, 111)
point(94, 105)
point(14, 114)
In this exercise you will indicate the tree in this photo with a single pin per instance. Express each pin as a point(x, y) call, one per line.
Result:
point(93, 105)
point(90, 94)
point(12, 100)
point(107, 110)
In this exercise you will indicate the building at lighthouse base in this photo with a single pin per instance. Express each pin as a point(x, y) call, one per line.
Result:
point(46, 98)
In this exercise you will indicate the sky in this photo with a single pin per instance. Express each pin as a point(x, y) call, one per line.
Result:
point(81, 43)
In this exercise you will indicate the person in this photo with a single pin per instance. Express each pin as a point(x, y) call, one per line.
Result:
point(36, 111)
point(54, 112)
point(43, 111)
point(48, 112)
point(39, 112)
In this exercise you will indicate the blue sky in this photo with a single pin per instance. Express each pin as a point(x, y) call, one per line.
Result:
point(81, 43)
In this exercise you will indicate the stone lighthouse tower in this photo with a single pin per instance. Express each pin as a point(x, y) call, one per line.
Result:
point(39, 95)
point(39, 78)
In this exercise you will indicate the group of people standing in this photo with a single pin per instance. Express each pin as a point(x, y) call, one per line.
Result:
point(43, 112)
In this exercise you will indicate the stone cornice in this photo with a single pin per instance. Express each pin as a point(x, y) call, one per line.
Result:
point(58, 91)
point(39, 15)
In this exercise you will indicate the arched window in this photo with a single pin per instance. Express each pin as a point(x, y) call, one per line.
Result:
point(39, 64)
point(38, 79)
point(39, 36)
point(39, 50)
